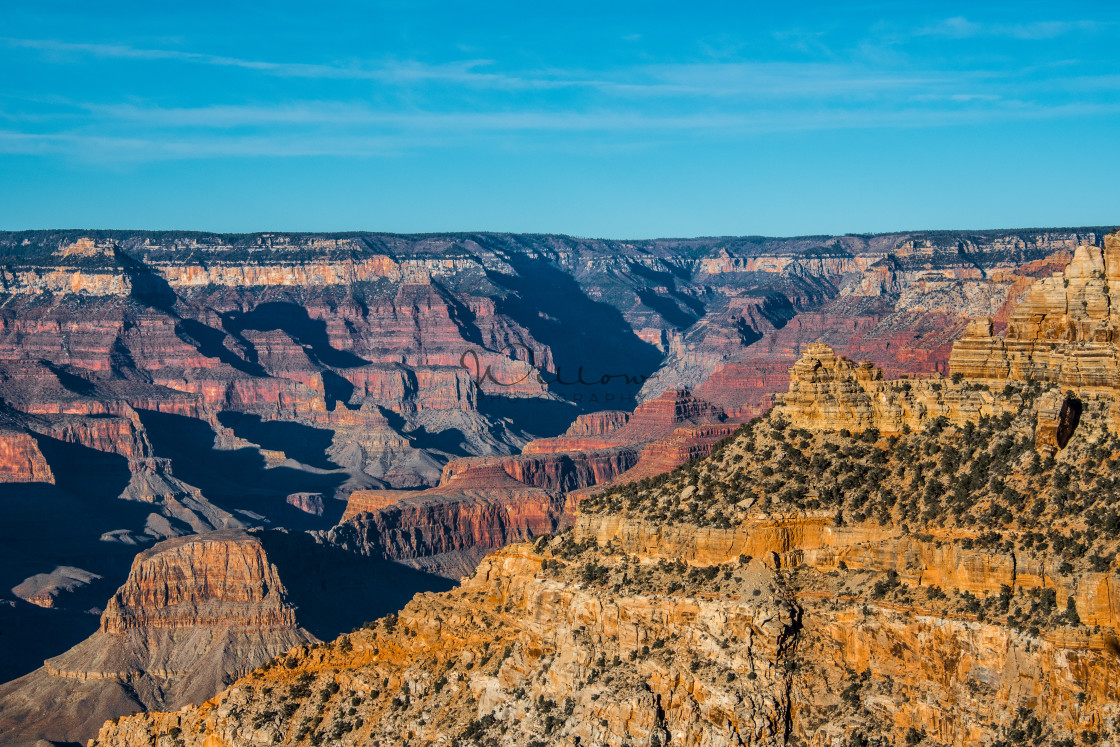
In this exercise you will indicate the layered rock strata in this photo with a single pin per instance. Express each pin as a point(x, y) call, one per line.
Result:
point(827, 391)
point(483, 503)
point(21, 460)
point(194, 614)
point(1063, 332)
point(447, 529)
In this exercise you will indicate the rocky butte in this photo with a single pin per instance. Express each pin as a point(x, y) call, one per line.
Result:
point(874, 561)
point(194, 614)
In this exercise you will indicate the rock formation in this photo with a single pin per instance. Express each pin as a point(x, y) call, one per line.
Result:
point(21, 460)
point(194, 614)
point(44, 589)
point(655, 418)
point(1063, 332)
point(902, 311)
point(484, 503)
point(448, 528)
point(830, 392)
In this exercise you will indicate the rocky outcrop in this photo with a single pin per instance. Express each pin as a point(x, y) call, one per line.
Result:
point(598, 423)
point(185, 582)
point(242, 275)
point(830, 392)
point(44, 589)
point(1060, 334)
point(1064, 330)
point(477, 507)
point(558, 471)
point(655, 418)
point(682, 445)
point(309, 503)
point(902, 311)
point(21, 460)
point(194, 614)
point(1058, 416)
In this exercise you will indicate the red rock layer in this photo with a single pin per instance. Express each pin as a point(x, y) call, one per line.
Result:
point(744, 390)
point(112, 434)
point(650, 420)
point(564, 471)
point(684, 443)
point(484, 502)
point(598, 423)
point(446, 529)
point(21, 460)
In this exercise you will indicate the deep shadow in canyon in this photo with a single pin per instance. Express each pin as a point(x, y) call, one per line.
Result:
point(334, 590)
point(47, 526)
point(239, 479)
point(596, 353)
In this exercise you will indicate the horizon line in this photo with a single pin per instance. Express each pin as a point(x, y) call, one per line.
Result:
point(1107, 228)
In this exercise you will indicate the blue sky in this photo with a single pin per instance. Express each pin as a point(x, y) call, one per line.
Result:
point(624, 120)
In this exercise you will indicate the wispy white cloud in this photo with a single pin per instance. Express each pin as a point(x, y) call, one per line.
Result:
point(710, 79)
point(774, 79)
point(464, 71)
point(315, 131)
point(426, 105)
point(960, 27)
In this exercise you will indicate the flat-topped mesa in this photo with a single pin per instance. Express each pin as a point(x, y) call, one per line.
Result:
point(830, 392)
point(220, 578)
point(598, 423)
point(673, 407)
point(1063, 332)
point(194, 613)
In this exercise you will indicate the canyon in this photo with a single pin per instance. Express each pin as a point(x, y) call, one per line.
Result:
point(876, 560)
point(401, 406)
